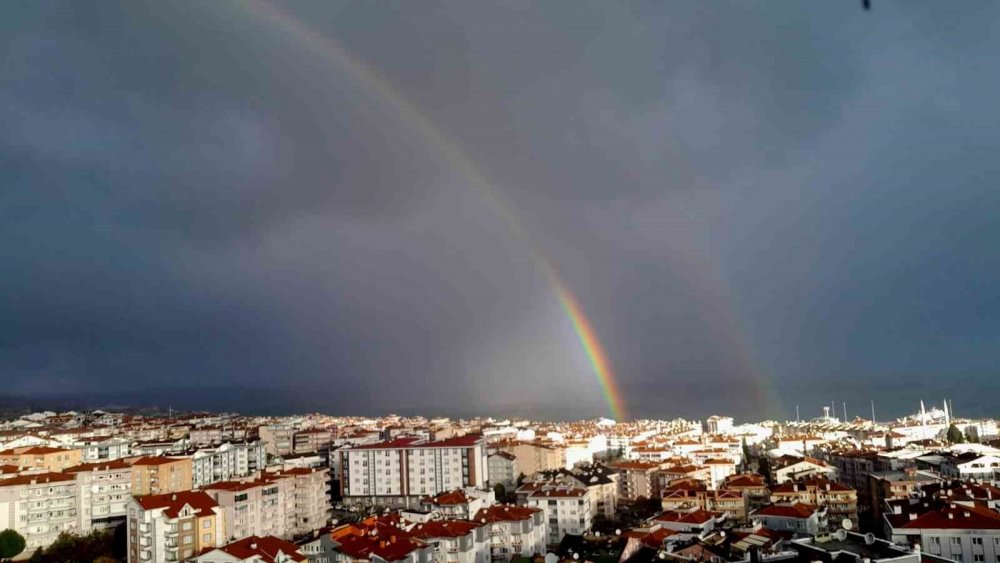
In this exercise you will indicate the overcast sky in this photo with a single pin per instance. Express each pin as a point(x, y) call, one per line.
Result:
point(758, 204)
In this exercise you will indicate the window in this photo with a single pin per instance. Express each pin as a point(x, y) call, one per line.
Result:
point(205, 538)
point(956, 541)
point(188, 539)
point(979, 558)
point(206, 523)
point(186, 526)
point(977, 541)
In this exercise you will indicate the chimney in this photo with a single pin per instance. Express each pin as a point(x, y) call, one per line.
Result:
point(913, 516)
point(253, 545)
point(951, 516)
point(173, 497)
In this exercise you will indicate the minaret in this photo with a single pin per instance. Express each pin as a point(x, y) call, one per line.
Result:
point(845, 411)
point(923, 418)
point(947, 415)
point(873, 414)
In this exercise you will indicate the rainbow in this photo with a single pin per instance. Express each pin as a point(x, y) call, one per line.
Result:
point(368, 79)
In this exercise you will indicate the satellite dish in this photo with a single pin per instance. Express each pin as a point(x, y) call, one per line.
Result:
point(869, 538)
point(618, 532)
point(847, 524)
point(841, 535)
point(576, 556)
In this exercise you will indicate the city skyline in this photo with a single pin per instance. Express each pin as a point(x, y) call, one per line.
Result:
point(636, 211)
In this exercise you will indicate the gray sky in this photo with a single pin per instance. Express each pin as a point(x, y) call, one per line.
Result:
point(758, 204)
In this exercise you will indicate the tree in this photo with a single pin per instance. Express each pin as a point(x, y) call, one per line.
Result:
point(764, 468)
point(500, 492)
point(11, 544)
point(955, 435)
point(746, 453)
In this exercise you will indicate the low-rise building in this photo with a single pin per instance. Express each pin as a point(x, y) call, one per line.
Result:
point(840, 500)
point(796, 517)
point(514, 530)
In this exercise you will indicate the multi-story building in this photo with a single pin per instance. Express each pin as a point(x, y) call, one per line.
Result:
point(254, 507)
point(458, 505)
point(310, 497)
point(402, 471)
point(103, 491)
point(840, 500)
point(962, 533)
point(687, 495)
point(455, 541)
point(38, 506)
point(43, 458)
point(102, 448)
point(311, 440)
point(226, 461)
point(533, 457)
point(893, 485)
point(853, 466)
point(502, 469)
point(172, 526)
point(752, 487)
point(719, 424)
point(971, 465)
point(690, 521)
point(795, 517)
point(791, 468)
point(160, 475)
point(637, 479)
point(514, 530)
point(567, 510)
point(602, 483)
point(278, 439)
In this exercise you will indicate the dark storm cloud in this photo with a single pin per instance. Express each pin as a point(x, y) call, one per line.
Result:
point(748, 195)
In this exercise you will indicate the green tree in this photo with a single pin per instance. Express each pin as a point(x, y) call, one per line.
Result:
point(746, 452)
point(955, 435)
point(11, 544)
point(500, 492)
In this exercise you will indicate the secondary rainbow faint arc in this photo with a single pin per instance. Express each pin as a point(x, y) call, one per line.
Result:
point(372, 82)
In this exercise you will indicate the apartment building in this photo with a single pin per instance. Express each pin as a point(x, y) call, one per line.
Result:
point(102, 448)
point(796, 517)
point(39, 506)
point(502, 469)
point(42, 458)
point(690, 521)
point(514, 530)
point(791, 468)
point(568, 510)
point(103, 491)
point(311, 440)
point(402, 471)
point(226, 461)
point(278, 439)
point(254, 507)
point(752, 487)
point(894, 485)
point(962, 533)
point(853, 466)
point(840, 500)
point(160, 475)
point(458, 505)
point(533, 457)
point(637, 479)
point(310, 497)
point(454, 541)
point(172, 526)
point(695, 494)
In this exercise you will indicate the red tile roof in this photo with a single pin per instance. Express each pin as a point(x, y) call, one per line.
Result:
point(99, 466)
point(693, 517)
point(36, 478)
point(953, 517)
point(199, 501)
point(797, 510)
point(504, 513)
point(265, 549)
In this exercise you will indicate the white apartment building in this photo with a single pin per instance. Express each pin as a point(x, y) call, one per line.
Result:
point(39, 507)
point(514, 530)
point(402, 471)
point(172, 526)
point(257, 507)
point(308, 489)
point(965, 534)
point(455, 541)
point(796, 518)
point(568, 510)
point(103, 491)
point(102, 448)
point(227, 461)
